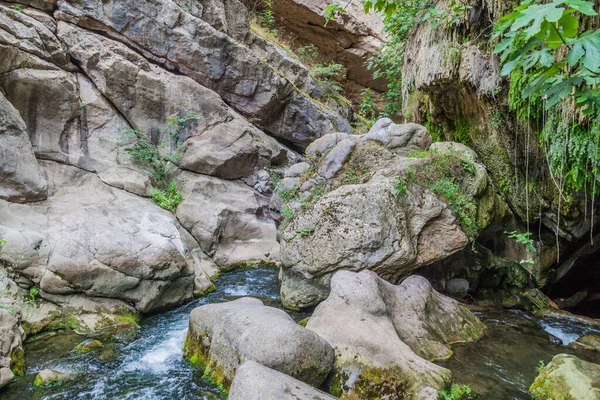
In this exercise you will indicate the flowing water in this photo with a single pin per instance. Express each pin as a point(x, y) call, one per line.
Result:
point(500, 366)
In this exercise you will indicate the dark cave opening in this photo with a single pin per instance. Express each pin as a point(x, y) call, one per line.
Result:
point(579, 290)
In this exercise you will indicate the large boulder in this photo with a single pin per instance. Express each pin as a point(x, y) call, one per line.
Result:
point(256, 382)
point(567, 377)
point(20, 176)
point(388, 334)
point(222, 336)
point(91, 239)
point(168, 35)
point(228, 221)
point(12, 361)
point(381, 202)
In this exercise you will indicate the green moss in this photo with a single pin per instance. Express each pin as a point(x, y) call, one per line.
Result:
point(197, 354)
point(304, 322)
point(38, 381)
point(545, 387)
point(17, 362)
point(202, 293)
point(373, 384)
point(88, 346)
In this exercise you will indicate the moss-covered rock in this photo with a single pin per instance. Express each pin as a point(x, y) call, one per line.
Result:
point(567, 377)
point(222, 336)
point(49, 377)
point(88, 346)
point(17, 362)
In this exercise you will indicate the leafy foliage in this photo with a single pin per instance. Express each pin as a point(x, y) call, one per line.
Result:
point(266, 17)
point(367, 108)
point(546, 40)
point(155, 159)
point(523, 238)
point(169, 198)
point(328, 73)
point(457, 391)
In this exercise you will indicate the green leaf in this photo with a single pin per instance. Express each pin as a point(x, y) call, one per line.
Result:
point(533, 17)
point(583, 6)
point(586, 50)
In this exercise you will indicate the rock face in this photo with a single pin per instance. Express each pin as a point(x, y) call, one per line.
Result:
point(222, 336)
point(388, 334)
point(20, 177)
point(211, 58)
point(75, 209)
point(350, 39)
point(567, 377)
point(360, 209)
point(256, 382)
point(12, 361)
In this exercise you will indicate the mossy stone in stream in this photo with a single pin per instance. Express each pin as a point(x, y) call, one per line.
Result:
point(567, 377)
point(88, 346)
point(17, 361)
point(197, 354)
point(50, 377)
point(372, 383)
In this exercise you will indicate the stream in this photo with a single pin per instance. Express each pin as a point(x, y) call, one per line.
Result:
point(500, 366)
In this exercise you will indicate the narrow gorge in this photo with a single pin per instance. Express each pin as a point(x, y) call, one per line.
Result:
point(299, 199)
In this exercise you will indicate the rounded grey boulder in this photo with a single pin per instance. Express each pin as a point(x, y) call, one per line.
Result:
point(223, 336)
point(257, 382)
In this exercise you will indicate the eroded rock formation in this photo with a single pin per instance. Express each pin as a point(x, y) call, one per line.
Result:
point(75, 209)
point(357, 209)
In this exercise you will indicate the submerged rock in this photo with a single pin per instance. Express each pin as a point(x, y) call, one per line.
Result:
point(52, 377)
point(254, 381)
point(589, 342)
point(567, 377)
point(222, 336)
point(88, 345)
point(383, 334)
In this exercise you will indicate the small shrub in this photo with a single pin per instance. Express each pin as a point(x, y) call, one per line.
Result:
point(169, 198)
point(325, 72)
point(308, 53)
point(18, 8)
point(468, 165)
point(33, 293)
point(400, 185)
point(367, 108)
point(523, 238)
point(266, 17)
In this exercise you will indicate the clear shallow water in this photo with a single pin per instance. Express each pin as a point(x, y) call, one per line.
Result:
point(150, 367)
point(501, 366)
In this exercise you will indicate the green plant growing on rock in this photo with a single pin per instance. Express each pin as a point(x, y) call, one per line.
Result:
point(17, 8)
point(267, 17)
point(327, 73)
point(441, 177)
point(308, 53)
point(525, 239)
point(169, 198)
point(457, 391)
point(367, 108)
point(153, 158)
point(32, 295)
point(401, 186)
